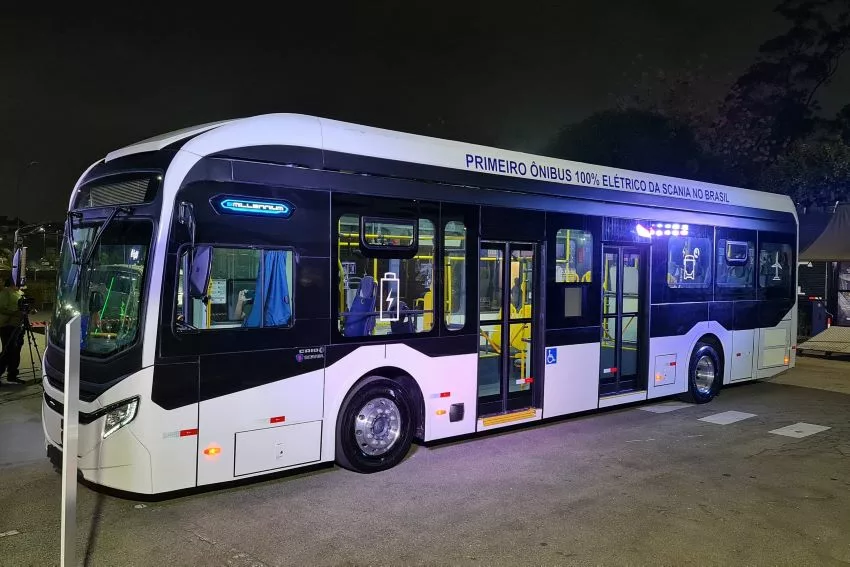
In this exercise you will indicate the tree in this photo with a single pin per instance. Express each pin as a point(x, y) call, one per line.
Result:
point(815, 173)
point(841, 125)
point(631, 139)
point(773, 104)
point(687, 95)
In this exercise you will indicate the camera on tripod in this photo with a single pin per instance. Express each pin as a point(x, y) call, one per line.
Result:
point(26, 305)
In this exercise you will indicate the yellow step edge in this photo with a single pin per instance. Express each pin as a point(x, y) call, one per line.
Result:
point(509, 417)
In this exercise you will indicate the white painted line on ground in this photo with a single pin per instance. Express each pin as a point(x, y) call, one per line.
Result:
point(727, 417)
point(9, 533)
point(665, 407)
point(799, 430)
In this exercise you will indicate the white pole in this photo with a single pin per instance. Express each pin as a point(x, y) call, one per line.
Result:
point(69, 443)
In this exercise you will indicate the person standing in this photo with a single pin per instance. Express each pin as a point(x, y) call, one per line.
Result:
point(10, 335)
point(516, 294)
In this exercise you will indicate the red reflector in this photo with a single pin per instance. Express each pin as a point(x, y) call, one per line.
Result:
point(445, 394)
point(737, 354)
point(188, 432)
point(673, 363)
point(613, 370)
point(278, 419)
point(529, 380)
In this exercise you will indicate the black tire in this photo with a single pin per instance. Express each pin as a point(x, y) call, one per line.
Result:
point(704, 359)
point(355, 449)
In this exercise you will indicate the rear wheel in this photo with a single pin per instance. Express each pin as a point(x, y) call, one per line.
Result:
point(375, 426)
point(705, 374)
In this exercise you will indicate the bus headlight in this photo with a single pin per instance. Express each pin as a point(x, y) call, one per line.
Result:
point(119, 416)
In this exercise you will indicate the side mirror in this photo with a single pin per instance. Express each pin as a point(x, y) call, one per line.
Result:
point(96, 301)
point(19, 267)
point(199, 272)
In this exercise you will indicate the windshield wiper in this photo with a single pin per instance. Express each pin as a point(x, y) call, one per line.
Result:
point(93, 245)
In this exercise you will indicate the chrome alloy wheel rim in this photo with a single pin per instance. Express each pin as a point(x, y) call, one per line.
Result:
point(705, 374)
point(377, 426)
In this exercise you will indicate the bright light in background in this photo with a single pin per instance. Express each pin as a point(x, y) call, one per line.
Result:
point(663, 229)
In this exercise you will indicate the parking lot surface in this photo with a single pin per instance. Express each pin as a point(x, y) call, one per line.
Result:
point(760, 476)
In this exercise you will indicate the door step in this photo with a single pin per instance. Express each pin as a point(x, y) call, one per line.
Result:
point(508, 418)
point(625, 398)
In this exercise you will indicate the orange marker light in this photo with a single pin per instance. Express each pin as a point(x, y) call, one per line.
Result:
point(212, 451)
point(441, 412)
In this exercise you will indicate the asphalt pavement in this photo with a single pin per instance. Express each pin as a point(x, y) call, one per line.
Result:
point(760, 476)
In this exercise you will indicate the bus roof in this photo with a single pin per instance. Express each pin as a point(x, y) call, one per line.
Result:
point(334, 136)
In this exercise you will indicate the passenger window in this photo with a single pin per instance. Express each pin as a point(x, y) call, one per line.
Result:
point(248, 288)
point(774, 265)
point(382, 292)
point(573, 256)
point(454, 254)
point(688, 262)
point(735, 262)
point(388, 234)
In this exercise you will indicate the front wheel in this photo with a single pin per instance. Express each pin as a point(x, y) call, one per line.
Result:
point(375, 427)
point(705, 374)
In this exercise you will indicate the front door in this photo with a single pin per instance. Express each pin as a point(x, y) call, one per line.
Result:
point(623, 294)
point(507, 292)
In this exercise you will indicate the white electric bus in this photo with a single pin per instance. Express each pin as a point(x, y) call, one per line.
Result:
point(283, 290)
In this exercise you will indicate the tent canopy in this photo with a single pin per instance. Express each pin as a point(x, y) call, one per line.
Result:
point(834, 242)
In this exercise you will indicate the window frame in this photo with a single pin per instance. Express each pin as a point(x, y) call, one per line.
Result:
point(387, 253)
point(694, 286)
point(443, 262)
point(725, 292)
point(737, 262)
point(182, 257)
point(592, 261)
point(660, 291)
point(789, 292)
point(392, 250)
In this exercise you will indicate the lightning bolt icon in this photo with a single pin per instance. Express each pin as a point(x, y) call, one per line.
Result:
point(389, 299)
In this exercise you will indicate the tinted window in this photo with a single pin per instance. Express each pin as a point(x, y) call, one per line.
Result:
point(381, 294)
point(775, 269)
point(735, 261)
point(388, 233)
point(688, 262)
point(454, 255)
point(248, 288)
point(573, 256)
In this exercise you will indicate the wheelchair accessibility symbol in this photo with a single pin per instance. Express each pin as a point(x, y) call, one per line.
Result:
point(551, 355)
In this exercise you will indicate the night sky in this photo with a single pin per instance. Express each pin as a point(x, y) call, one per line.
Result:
point(77, 86)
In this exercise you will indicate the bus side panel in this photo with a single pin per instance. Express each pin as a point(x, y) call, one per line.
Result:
point(774, 352)
point(572, 379)
point(669, 357)
point(456, 375)
point(253, 431)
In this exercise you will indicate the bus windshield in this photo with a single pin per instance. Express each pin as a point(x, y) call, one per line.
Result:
point(107, 291)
